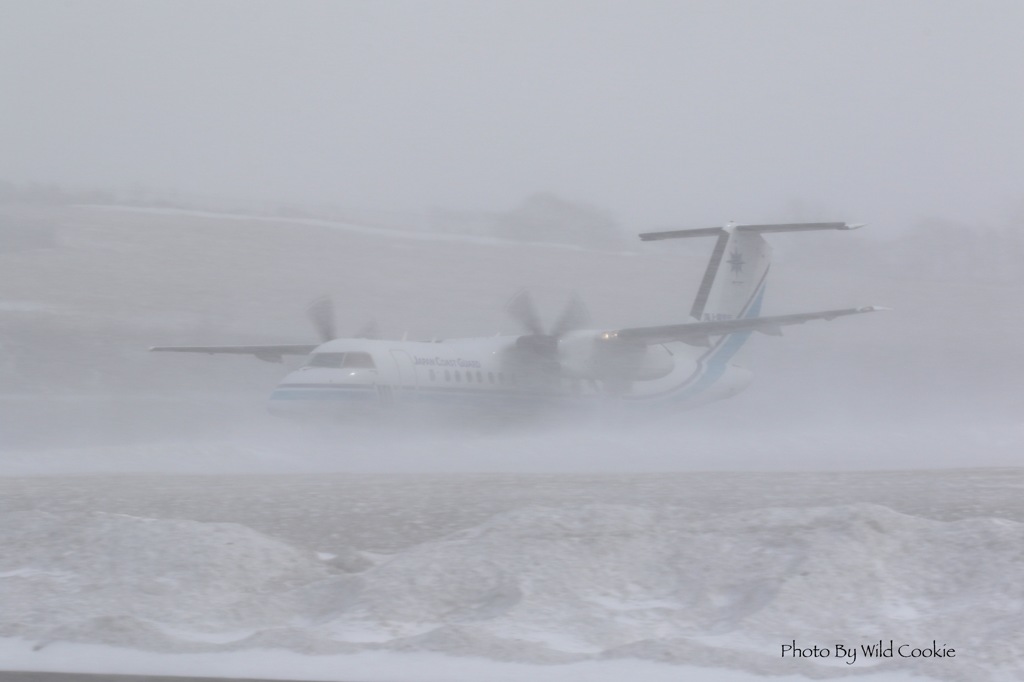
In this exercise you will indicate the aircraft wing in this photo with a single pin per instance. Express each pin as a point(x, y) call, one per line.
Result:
point(698, 333)
point(268, 353)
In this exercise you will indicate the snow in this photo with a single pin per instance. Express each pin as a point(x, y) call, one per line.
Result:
point(151, 522)
point(699, 440)
point(370, 666)
point(537, 586)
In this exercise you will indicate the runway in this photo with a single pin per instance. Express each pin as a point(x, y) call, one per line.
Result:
point(388, 512)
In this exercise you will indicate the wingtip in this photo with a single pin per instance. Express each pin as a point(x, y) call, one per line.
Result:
point(872, 308)
point(853, 226)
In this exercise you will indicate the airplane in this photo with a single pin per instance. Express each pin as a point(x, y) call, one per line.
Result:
point(565, 366)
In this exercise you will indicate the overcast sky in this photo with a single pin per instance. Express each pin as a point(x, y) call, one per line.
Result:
point(662, 112)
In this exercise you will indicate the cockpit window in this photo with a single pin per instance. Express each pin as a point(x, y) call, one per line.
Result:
point(326, 360)
point(358, 361)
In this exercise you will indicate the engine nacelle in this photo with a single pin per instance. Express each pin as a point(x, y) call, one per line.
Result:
point(587, 355)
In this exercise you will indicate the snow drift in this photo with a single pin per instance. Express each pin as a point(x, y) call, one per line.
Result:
point(537, 584)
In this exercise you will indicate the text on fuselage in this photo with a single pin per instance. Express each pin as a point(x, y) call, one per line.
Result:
point(447, 362)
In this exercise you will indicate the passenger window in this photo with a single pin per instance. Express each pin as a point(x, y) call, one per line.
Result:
point(358, 361)
point(326, 360)
point(490, 377)
point(447, 375)
point(432, 375)
point(479, 377)
point(458, 376)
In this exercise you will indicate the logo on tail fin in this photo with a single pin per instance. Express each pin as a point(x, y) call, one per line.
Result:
point(736, 262)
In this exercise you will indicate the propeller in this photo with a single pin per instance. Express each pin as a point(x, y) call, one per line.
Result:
point(537, 350)
point(522, 309)
point(613, 361)
point(368, 331)
point(574, 316)
point(321, 313)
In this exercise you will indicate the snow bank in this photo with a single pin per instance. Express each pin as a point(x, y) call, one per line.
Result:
point(539, 585)
point(371, 666)
point(126, 580)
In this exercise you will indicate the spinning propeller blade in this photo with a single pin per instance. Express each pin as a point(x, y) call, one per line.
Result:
point(522, 309)
point(370, 330)
point(574, 316)
point(321, 314)
point(537, 351)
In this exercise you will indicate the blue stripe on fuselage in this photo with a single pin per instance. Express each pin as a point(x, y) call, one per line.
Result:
point(367, 394)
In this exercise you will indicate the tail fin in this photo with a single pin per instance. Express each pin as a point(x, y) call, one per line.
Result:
point(734, 280)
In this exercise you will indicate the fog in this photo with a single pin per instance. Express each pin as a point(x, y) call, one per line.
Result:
point(932, 383)
point(193, 173)
point(662, 113)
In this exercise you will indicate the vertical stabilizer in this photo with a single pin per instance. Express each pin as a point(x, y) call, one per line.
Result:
point(733, 283)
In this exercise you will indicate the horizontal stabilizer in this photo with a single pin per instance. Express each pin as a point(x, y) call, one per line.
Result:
point(681, 234)
point(797, 227)
point(698, 333)
point(268, 353)
point(761, 229)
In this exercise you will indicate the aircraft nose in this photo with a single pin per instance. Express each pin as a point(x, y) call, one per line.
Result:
point(328, 392)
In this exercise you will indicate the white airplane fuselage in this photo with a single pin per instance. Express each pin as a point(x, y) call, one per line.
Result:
point(476, 374)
